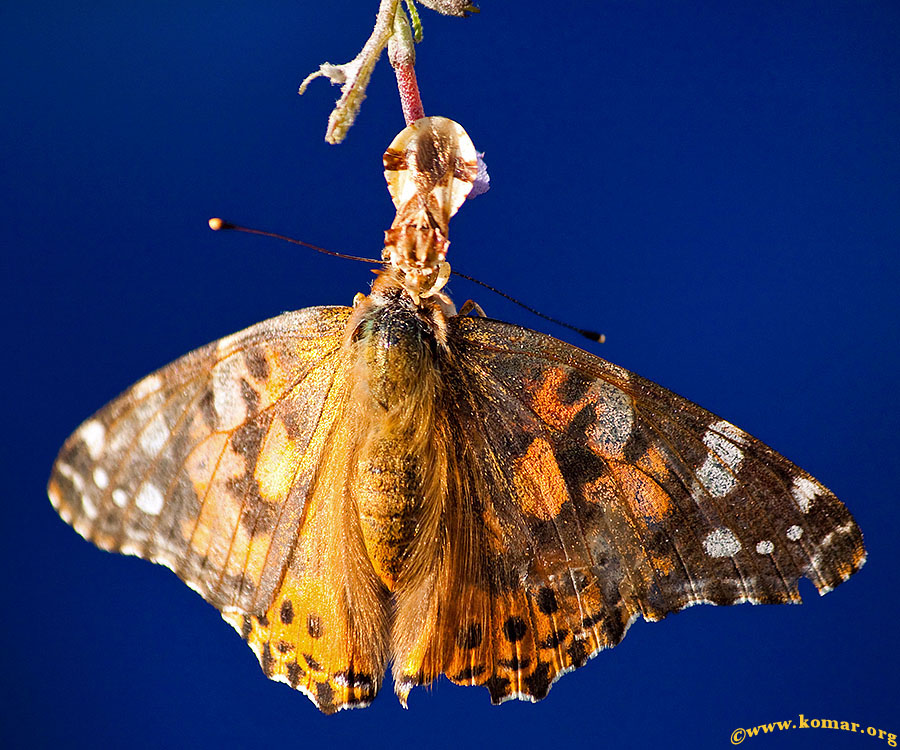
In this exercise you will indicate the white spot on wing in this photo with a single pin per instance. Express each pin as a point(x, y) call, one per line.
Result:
point(715, 477)
point(150, 500)
point(89, 507)
point(847, 528)
point(120, 497)
point(804, 492)
point(765, 547)
point(101, 478)
point(147, 386)
point(73, 476)
point(154, 436)
point(228, 401)
point(94, 435)
point(165, 560)
point(794, 533)
point(615, 418)
point(717, 474)
point(721, 542)
point(730, 431)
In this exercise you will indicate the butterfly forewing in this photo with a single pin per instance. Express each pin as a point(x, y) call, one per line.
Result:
point(683, 466)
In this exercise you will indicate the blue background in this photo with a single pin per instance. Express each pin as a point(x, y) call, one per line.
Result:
point(716, 186)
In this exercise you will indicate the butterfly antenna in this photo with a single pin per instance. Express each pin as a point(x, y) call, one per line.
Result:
point(220, 224)
point(586, 332)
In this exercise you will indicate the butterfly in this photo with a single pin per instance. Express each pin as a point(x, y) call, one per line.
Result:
point(402, 484)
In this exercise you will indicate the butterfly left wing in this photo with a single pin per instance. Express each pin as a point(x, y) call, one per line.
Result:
point(580, 497)
point(229, 467)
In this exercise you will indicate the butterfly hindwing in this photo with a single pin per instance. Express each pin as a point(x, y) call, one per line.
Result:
point(594, 496)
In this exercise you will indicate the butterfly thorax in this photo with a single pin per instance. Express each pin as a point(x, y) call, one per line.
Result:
point(417, 247)
point(398, 346)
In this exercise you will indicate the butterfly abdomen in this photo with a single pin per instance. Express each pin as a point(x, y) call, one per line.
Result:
point(395, 476)
point(388, 501)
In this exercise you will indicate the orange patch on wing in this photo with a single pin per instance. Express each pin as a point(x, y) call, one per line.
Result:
point(540, 487)
point(256, 555)
point(277, 463)
point(202, 462)
point(213, 532)
point(301, 642)
point(653, 463)
point(646, 498)
point(662, 565)
point(276, 381)
point(547, 403)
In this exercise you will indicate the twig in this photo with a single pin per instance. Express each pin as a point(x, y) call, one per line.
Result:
point(402, 54)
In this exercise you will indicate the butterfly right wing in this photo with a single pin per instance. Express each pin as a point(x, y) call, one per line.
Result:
point(580, 497)
point(223, 466)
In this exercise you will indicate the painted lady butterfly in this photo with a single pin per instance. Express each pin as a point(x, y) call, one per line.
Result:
point(398, 483)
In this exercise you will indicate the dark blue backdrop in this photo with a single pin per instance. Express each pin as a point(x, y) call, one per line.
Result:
point(713, 185)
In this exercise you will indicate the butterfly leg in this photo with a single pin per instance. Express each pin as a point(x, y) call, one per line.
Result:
point(470, 306)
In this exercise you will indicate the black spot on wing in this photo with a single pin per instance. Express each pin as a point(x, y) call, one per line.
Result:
point(546, 600)
point(314, 625)
point(469, 673)
point(247, 439)
point(325, 697)
point(256, 363)
point(538, 682)
point(294, 673)
point(266, 660)
point(356, 680)
point(514, 629)
point(515, 663)
point(470, 636)
point(555, 638)
point(588, 622)
point(577, 653)
point(636, 446)
point(574, 386)
point(498, 687)
point(577, 463)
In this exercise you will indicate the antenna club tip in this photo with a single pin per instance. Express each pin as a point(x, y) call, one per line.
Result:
point(592, 335)
point(217, 224)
